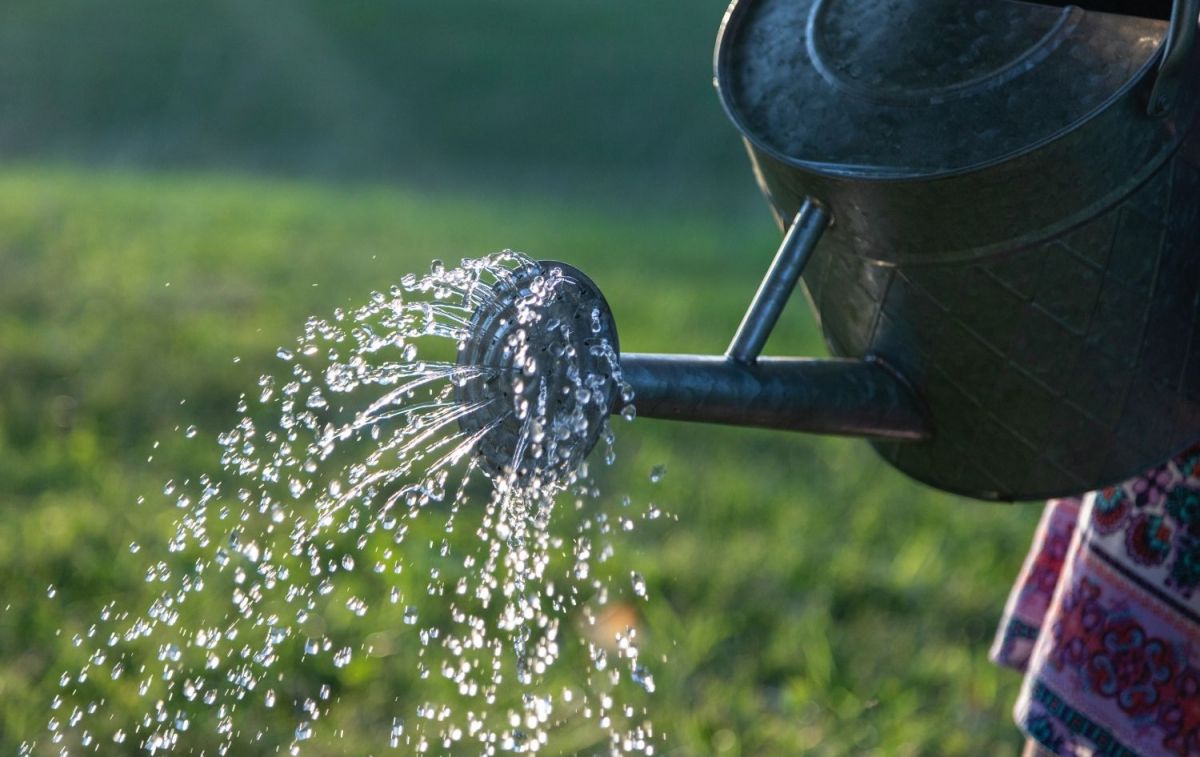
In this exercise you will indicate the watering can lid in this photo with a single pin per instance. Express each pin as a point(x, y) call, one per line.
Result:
point(919, 88)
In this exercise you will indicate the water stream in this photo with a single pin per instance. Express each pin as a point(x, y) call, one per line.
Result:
point(351, 527)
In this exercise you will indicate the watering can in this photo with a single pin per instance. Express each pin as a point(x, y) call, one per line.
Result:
point(994, 210)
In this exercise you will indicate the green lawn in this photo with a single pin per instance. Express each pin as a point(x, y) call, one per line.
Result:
point(808, 598)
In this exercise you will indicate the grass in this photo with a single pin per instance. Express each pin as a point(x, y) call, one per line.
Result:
point(807, 600)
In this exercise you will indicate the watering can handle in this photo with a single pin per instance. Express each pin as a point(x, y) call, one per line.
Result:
point(1177, 48)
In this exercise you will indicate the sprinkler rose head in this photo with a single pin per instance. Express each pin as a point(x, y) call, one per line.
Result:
point(543, 349)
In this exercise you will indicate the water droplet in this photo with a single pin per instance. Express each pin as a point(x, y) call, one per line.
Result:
point(626, 393)
point(639, 584)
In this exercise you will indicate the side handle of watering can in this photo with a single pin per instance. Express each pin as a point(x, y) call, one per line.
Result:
point(834, 396)
point(1176, 49)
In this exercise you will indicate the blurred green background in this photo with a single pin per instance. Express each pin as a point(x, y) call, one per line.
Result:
point(182, 184)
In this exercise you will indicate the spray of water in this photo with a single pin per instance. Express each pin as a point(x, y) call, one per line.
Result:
point(361, 495)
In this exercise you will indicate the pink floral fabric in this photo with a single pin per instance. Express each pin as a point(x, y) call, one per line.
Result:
point(1104, 619)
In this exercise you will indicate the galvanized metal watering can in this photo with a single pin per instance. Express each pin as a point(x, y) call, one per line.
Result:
point(994, 208)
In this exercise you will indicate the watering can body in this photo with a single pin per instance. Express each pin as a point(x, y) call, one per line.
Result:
point(1011, 196)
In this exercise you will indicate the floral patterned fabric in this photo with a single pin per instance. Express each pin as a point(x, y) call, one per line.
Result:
point(1105, 619)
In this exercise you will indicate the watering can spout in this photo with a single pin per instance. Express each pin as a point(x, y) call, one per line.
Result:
point(865, 398)
point(848, 397)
